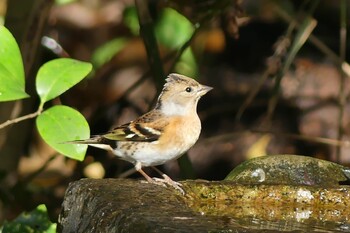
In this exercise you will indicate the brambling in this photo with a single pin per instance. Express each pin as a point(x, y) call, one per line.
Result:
point(161, 135)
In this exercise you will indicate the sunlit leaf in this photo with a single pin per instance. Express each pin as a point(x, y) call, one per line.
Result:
point(130, 20)
point(173, 29)
point(187, 64)
point(12, 78)
point(57, 76)
point(36, 221)
point(104, 53)
point(259, 147)
point(61, 124)
point(63, 2)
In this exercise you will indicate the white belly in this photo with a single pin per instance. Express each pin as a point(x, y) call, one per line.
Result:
point(149, 154)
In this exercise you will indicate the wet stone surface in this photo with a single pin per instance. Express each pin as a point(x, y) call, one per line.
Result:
point(116, 205)
point(119, 205)
point(290, 170)
point(269, 194)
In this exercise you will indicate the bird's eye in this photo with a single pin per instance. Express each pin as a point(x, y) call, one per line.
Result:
point(188, 89)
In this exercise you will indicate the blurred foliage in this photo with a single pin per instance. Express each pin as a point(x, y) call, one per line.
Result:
point(36, 221)
point(130, 20)
point(62, 2)
point(187, 64)
point(105, 52)
point(173, 29)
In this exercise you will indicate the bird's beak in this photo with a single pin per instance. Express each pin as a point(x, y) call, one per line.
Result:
point(204, 89)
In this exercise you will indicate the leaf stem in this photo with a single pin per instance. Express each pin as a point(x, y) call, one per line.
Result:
point(22, 118)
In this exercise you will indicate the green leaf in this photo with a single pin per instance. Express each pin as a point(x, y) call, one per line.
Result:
point(61, 124)
point(173, 29)
point(131, 20)
point(36, 221)
point(57, 76)
point(105, 52)
point(11, 68)
point(63, 2)
point(187, 64)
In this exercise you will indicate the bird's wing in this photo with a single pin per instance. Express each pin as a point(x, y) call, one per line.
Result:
point(147, 128)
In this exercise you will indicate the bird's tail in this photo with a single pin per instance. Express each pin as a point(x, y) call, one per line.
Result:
point(96, 141)
point(93, 140)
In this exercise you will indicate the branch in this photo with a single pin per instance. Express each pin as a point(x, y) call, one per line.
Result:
point(22, 118)
point(321, 140)
point(150, 41)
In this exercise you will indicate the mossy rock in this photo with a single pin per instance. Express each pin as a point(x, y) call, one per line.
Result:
point(290, 170)
point(119, 205)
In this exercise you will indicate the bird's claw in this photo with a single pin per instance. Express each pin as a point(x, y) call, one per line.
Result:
point(170, 182)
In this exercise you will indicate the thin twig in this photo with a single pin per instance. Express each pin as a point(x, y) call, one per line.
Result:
point(127, 173)
point(22, 118)
point(150, 42)
point(317, 43)
point(304, 32)
point(321, 140)
point(32, 176)
point(182, 49)
point(252, 94)
point(342, 94)
point(273, 66)
point(136, 84)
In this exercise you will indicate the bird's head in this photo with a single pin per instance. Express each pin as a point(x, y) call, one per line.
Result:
point(180, 95)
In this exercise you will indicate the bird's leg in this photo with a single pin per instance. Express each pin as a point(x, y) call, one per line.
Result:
point(166, 179)
point(138, 167)
point(165, 176)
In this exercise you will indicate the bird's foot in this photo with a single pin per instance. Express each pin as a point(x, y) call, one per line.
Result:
point(155, 180)
point(170, 182)
point(163, 182)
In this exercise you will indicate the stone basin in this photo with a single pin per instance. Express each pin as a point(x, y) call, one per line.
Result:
point(122, 205)
point(280, 193)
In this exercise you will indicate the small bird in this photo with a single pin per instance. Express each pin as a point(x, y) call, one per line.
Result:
point(161, 135)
